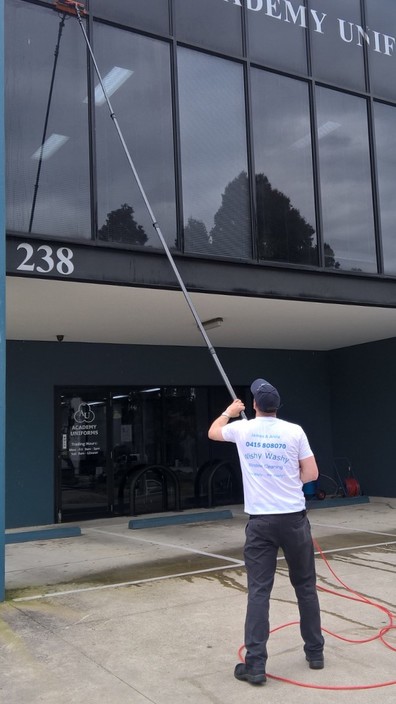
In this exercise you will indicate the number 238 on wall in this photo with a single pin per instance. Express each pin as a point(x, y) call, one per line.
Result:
point(60, 259)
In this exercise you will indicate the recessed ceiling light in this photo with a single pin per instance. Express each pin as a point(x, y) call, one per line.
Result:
point(111, 82)
point(50, 146)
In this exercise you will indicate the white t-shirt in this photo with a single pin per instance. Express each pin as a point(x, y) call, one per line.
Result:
point(269, 452)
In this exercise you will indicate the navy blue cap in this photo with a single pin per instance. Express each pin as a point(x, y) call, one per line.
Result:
point(266, 396)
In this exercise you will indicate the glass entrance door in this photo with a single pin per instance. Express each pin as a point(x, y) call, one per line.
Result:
point(106, 436)
point(85, 469)
point(103, 438)
point(137, 443)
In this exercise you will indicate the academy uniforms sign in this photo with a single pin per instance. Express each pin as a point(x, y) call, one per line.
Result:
point(300, 16)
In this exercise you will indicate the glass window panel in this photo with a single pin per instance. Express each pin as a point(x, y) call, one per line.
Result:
point(277, 33)
point(209, 23)
point(345, 178)
point(146, 14)
point(385, 137)
point(83, 454)
point(47, 162)
point(142, 104)
point(337, 40)
point(213, 156)
point(381, 17)
point(283, 163)
point(181, 434)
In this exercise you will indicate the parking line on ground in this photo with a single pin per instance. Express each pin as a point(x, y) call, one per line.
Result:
point(166, 545)
point(234, 564)
point(127, 584)
point(350, 530)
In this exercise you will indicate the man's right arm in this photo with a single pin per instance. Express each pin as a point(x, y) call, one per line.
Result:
point(233, 411)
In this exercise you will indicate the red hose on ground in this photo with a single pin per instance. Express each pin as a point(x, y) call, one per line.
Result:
point(380, 635)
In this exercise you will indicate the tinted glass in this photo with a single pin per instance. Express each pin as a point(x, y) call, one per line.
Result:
point(83, 454)
point(180, 429)
point(214, 156)
point(337, 40)
point(137, 442)
point(47, 167)
point(137, 72)
point(277, 33)
point(283, 163)
point(147, 14)
point(385, 135)
point(344, 167)
point(381, 16)
point(211, 23)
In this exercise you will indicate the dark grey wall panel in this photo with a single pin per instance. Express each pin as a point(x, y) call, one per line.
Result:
point(363, 411)
point(34, 369)
point(100, 264)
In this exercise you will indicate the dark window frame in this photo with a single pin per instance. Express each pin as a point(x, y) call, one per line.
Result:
point(247, 63)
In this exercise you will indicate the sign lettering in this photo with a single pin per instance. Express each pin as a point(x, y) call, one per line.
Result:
point(293, 13)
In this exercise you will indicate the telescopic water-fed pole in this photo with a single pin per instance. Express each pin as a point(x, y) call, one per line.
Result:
point(77, 9)
point(47, 113)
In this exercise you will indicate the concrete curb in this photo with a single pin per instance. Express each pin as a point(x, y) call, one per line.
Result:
point(42, 534)
point(334, 503)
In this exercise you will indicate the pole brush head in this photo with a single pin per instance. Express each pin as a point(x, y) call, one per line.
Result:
point(70, 6)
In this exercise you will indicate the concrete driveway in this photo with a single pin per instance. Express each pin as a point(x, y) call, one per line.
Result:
point(156, 615)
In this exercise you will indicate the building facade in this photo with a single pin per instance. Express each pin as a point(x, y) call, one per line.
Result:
point(264, 134)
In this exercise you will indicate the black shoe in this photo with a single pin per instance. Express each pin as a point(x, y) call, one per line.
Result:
point(316, 663)
point(241, 673)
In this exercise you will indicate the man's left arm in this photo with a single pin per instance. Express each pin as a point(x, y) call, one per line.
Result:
point(308, 470)
point(233, 411)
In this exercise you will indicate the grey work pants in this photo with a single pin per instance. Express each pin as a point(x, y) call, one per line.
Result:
point(265, 534)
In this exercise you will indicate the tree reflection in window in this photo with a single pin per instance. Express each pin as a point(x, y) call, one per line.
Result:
point(232, 217)
point(231, 226)
point(283, 234)
point(196, 234)
point(121, 226)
